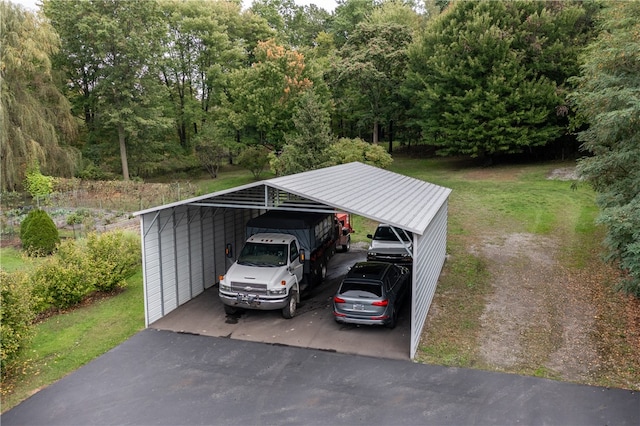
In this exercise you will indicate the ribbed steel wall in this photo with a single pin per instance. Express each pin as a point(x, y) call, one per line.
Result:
point(430, 251)
point(183, 252)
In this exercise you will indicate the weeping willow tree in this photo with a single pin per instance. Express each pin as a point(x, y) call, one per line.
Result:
point(36, 125)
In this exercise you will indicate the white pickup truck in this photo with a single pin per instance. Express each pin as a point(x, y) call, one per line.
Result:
point(286, 254)
point(266, 275)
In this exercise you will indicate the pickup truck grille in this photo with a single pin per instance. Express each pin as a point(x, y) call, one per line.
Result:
point(249, 288)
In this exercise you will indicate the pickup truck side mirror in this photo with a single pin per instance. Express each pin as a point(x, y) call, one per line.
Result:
point(228, 250)
point(370, 236)
point(302, 255)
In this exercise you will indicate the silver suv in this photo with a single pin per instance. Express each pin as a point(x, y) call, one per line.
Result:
point(391, 244)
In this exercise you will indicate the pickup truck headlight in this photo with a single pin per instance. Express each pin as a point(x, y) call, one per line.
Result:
point(225, 287)
point(277, 291)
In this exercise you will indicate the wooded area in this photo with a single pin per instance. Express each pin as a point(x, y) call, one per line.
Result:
point(119, 89)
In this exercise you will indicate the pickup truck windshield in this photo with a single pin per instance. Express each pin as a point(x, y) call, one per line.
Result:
point(385, 233)
point(257, 254)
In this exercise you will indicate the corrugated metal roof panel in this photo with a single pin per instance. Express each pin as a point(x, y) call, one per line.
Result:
point(368, 191)
point(357, 188)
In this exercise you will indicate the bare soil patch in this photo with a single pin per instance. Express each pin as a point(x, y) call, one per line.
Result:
point(533, 318)
point(545, 319)
point(530, 312)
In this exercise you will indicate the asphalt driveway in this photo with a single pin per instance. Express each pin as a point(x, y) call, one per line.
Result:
point(168, 378)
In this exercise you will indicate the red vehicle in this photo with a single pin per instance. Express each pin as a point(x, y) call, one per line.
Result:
point(344, 240)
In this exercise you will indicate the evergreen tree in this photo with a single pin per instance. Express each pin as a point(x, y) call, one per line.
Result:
point(608, 100)
point(489, 77)
point(306, 147)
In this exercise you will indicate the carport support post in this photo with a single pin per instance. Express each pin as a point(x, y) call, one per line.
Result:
point(393, 229)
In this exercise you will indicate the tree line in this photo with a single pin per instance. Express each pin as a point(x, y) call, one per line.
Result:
point(143, 88)
point(103, 88)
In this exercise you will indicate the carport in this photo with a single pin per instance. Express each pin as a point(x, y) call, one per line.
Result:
point(183, 243)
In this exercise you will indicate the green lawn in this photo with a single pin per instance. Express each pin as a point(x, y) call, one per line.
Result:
point(13, 260)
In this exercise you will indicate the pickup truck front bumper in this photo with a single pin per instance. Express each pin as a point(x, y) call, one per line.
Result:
point(253, 301)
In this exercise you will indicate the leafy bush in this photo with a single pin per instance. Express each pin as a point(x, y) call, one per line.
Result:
point(112, 257)
point(38, 233)
point(348, 150)
point(210, 153)
point(93, 172)
point(254, 159)
point(16, 316)
point(58, 283)
point(100, 262)
point(38, 185)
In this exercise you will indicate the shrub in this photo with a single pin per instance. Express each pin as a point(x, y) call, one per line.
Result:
point(25, 224)
point(38, 185)
point(16, 316)
point(39, 234)
point(254, 159)
point(113, 257)
point(58, 283)
point(348, 150)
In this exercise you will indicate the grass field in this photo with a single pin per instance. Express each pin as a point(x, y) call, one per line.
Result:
point(515, 198)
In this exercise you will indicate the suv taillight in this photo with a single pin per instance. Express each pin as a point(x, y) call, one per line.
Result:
point(384, 302)
point(336, 299)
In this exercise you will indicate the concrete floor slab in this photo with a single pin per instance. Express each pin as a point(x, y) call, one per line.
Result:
point(312, 327)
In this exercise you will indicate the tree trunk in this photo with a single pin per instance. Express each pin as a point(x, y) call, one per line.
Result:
point(375, 132)
point(390, 136)
point(123, 152)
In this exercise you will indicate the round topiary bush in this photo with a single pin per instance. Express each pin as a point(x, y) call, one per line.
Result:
point(38, 233)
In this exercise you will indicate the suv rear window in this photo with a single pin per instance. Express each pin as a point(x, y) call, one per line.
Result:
point(374, 288)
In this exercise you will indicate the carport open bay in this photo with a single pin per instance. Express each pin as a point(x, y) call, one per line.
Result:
point(312, 327)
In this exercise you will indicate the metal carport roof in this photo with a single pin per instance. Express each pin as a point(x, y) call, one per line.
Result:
point(358, 188)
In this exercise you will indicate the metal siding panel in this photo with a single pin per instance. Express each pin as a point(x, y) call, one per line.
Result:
point(150, 268)
point(207, 221)
point(183, 276)
point(195, 249)
point(430, 256)
point(216, 252)
point(167, 261)
point(414, 202)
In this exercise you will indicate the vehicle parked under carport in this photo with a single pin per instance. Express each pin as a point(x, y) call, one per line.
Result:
point(372, 293)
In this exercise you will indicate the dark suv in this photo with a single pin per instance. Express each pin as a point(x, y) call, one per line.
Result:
point(372, 293)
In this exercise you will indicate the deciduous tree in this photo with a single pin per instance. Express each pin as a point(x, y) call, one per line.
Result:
point(198, 57)
point(263, 97)
point(125, 39)
point(368, 76)
point(36, 124)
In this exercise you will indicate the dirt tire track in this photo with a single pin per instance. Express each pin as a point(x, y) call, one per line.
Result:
point(533, 319)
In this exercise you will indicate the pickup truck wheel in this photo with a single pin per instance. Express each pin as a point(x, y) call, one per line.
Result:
point(347, 246)
point(289, 311)
point(229, 310)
